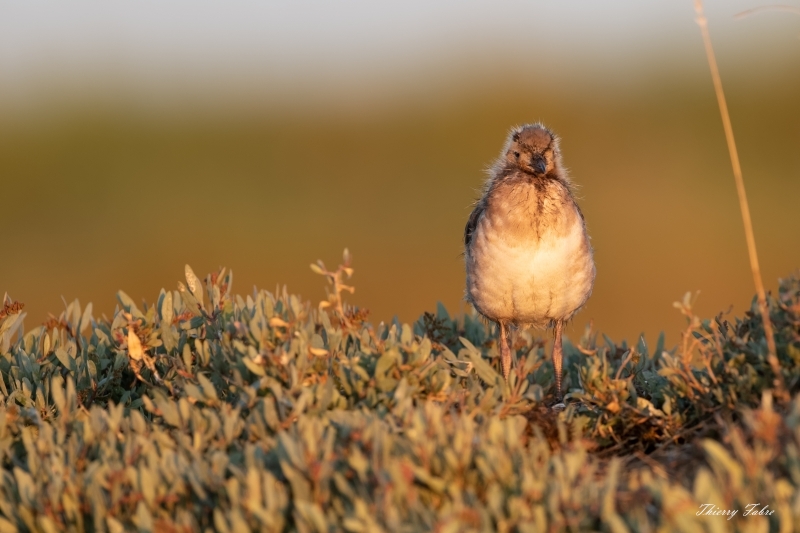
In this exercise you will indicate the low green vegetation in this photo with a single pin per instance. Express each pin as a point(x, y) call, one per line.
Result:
point(209, 411)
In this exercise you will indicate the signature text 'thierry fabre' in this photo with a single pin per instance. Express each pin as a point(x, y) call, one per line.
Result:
point(752, 509)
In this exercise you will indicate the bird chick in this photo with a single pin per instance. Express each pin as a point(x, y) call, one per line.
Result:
point(528, 257)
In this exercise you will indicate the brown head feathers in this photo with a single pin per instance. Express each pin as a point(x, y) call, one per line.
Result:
point(531, 149)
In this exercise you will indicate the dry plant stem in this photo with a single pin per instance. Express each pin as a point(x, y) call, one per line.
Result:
point(748, 225)
point(624, 362)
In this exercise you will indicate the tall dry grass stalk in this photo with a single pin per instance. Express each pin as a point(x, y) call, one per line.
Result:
point(744, 206)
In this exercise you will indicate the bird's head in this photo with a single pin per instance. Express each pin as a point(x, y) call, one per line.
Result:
point(533, 149)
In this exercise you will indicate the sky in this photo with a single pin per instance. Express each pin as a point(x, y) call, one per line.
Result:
point(175, 49)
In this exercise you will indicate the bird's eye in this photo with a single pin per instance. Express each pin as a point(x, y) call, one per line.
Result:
point(516, 154)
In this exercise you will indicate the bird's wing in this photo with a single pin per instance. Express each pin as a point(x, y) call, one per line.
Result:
point(472, 222)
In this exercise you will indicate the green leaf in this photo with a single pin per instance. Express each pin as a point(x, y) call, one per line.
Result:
point(127, 304)
point(253, 367)
point(167, 309)
point(385, 363)
point(67, 360)
point(208, 388)
point(86, 319)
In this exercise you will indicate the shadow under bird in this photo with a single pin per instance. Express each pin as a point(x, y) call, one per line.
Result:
point(528, 257)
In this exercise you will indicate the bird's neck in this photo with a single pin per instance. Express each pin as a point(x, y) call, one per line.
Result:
point(515, 175)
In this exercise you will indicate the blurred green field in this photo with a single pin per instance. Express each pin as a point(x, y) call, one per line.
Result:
point(102, 196)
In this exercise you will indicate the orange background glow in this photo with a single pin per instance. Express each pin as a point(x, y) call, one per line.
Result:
point(135, 139)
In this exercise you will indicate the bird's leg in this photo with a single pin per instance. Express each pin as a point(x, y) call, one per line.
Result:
point(558, 357)
point(505, 351)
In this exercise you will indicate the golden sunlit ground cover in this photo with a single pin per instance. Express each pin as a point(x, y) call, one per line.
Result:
point(206, 409)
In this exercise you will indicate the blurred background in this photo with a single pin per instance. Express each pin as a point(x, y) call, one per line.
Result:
point(261, 136)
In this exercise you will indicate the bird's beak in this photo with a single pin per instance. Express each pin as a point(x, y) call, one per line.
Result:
point(538, 165)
